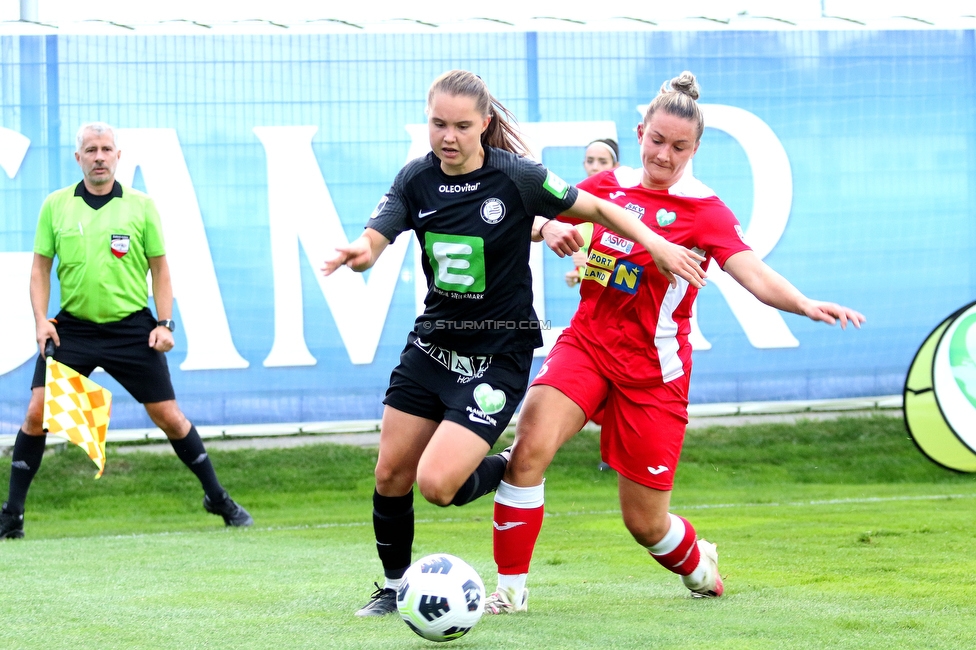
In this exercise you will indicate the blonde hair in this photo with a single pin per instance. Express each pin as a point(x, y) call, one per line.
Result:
point(679, 97)
point(500, 134)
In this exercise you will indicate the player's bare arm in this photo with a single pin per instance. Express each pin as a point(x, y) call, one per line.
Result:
point(776, 291)
point(358, 255)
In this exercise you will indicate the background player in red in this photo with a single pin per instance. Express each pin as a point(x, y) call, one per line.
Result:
point(600, 155)
point(472, 203)
point(627, 351)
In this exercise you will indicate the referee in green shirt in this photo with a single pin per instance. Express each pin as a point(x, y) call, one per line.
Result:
point(106, 238)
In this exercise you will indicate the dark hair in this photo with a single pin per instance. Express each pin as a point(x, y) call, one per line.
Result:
point(612, 144)
point(678, 97)
point(500, 133)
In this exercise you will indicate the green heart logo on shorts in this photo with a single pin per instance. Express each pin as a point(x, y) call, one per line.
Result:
point(665, 218)
point(489, 400)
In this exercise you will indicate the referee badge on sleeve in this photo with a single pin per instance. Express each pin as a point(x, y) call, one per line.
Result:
point(120, 245)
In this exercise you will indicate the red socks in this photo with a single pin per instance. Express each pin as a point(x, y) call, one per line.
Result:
point(517, 522)
point(678, 550)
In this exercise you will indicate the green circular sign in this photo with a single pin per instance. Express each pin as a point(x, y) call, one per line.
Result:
point(940, 393)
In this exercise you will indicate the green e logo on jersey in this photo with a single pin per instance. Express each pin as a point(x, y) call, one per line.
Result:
point(458, 262)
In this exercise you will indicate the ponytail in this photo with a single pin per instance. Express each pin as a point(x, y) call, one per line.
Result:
point(501, 132)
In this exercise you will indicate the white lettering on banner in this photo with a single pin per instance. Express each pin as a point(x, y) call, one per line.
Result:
point(17, 324)
point(13, 148)
point(772, 199)
point(772, 190)
point(419, 146)
point(359, 307)
point(300, 210)
point(158, 153)
point(542, 135)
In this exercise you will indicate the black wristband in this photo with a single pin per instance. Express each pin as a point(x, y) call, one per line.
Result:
point(168, 323)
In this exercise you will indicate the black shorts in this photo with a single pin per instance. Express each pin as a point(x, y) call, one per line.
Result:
point(120, 348)
point(479, 392)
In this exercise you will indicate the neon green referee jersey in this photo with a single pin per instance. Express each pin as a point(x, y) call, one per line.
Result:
point(103, 255)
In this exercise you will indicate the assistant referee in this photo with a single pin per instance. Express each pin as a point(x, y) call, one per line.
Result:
point(107, 238)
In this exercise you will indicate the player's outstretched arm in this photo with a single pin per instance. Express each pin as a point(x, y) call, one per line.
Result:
point(776, 291)
point(671, 259)
point(358, 255)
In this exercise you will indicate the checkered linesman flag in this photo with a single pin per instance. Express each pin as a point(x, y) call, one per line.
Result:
point(77, 409)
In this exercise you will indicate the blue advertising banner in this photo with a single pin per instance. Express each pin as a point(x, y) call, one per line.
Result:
point(847, 156)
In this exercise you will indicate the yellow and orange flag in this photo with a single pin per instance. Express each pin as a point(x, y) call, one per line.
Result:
point(77, 409)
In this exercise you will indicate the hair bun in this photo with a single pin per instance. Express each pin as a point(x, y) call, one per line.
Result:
point(685, 83)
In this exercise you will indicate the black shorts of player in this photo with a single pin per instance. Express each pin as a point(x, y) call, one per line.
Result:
point(121, 349)
point(479, 392)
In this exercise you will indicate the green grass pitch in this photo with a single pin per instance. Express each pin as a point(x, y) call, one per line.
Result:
point(830, 534)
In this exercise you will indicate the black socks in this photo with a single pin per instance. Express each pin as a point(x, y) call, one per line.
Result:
point(193, 454)
point(25, 461)
point(484, 480)
point(393, 526)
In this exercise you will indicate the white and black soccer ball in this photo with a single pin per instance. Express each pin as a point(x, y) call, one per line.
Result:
point(441, 598)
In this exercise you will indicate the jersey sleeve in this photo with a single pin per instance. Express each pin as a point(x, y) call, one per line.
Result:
point(154, 243)
point(589, 185)
point(721, 234)
point(44, 235)
point(544, 193)
point(389, 218)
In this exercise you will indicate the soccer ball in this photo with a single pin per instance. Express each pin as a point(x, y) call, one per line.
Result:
point(441, 597)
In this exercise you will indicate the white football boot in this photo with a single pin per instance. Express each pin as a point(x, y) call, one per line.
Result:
point(504, 601)
point(711, 585)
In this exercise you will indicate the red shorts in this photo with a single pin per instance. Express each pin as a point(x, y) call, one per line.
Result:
point(643, 426)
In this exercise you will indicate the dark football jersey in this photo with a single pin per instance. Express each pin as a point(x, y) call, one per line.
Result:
point(475, 231)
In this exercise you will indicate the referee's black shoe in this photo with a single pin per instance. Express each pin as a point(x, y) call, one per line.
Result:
point(11, 524)
point(233, 514)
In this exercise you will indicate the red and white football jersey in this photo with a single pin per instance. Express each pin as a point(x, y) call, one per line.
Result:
point(630, 319)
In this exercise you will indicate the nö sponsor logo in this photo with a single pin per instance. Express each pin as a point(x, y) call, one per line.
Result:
point(626, 277)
